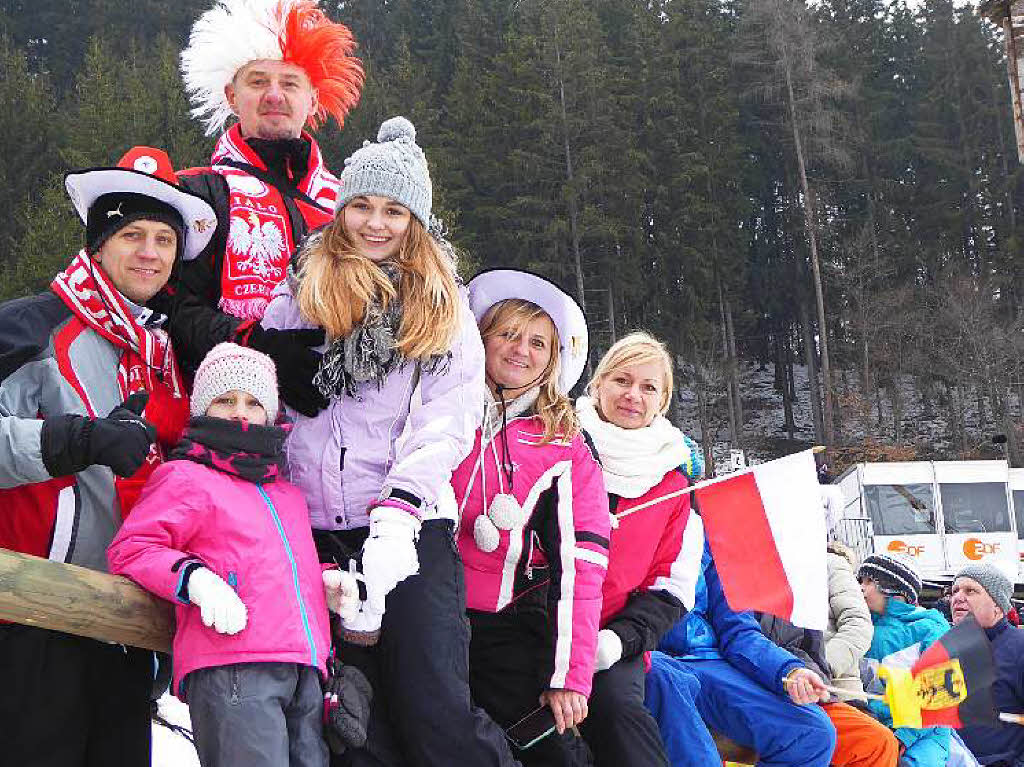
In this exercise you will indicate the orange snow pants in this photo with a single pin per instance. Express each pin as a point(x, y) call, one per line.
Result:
point(861, 741)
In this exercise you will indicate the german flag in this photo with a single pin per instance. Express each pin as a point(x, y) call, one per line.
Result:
point(953, 678)
point(949, 685)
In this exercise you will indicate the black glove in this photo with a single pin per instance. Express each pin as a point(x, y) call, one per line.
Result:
point(70, 443)
point(347, 697)
point(296, 364)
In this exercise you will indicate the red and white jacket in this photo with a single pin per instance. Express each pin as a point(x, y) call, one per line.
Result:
point(653, 565)
point(656, 541)
point(562, 543)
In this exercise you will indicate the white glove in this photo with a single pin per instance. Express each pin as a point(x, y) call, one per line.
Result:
point(609, 650)
point(389, 554)
point(342, 592)
point(218, 603)
point(362, 627)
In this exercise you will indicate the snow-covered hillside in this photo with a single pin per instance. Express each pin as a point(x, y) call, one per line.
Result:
point(925, 431)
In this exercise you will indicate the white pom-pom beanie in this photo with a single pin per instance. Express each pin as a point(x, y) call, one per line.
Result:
point(229, 367)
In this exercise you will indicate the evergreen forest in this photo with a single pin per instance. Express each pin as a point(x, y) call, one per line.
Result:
point(828, 194)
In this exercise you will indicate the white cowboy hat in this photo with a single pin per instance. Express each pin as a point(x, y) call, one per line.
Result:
point(494, 285)
point(146, 171)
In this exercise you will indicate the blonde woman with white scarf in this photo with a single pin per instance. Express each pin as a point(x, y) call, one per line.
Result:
point(645, 460)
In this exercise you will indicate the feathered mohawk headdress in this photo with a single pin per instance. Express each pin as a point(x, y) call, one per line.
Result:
point(235, 32)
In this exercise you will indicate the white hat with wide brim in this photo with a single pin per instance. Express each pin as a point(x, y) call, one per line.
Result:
point(495, 285)
point(86, 186)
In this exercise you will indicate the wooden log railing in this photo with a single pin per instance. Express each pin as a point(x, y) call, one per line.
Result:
point(76, 600)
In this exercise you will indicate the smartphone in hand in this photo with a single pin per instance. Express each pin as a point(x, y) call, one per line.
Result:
point(533, 727)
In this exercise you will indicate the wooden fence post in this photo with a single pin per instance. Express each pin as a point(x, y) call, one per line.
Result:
point(76, 600)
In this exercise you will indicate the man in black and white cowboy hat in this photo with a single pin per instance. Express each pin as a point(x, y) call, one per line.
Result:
point(90, 395)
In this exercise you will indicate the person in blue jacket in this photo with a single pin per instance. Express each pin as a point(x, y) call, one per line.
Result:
point(891, 588)
point(715, 671)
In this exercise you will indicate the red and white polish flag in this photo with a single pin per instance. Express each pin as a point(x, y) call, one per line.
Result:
point(766, 529)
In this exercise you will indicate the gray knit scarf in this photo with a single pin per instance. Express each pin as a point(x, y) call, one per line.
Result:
point(369, 352)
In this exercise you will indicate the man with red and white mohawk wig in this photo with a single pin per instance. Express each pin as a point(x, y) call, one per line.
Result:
point(279, 68)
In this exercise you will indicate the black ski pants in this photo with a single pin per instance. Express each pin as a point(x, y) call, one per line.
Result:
point(69, 701)
point(619, 729)
point(422, 714)
point(510, 663)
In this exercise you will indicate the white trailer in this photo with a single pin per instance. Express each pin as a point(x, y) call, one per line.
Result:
point(942, 514)
point(1017, 493)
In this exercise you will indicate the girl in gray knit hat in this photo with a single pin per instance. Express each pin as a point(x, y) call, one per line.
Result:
point(375, 472)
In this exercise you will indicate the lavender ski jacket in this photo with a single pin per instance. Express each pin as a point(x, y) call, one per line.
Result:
point(368, 447)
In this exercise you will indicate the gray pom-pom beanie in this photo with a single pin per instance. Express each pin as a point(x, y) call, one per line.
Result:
point(393, 167)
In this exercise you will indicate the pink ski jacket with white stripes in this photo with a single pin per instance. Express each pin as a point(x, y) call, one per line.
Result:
point(562, 543)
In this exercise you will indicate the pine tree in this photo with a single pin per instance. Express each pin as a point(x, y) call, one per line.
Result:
point(28, 134)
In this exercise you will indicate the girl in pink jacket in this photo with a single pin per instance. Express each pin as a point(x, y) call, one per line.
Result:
point(534, 515)
point(219, 531)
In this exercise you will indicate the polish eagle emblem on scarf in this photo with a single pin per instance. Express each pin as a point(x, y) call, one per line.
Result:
point(261, 242)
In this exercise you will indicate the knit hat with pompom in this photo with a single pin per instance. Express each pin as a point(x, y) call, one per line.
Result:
point(229, 367)
point(394, 167)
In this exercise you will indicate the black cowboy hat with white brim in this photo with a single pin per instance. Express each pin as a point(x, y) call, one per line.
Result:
point(494, 285)
point(148, 172)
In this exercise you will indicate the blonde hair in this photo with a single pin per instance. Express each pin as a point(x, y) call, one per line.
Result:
point(337, 284)
point(637, 348)
point(553, 408)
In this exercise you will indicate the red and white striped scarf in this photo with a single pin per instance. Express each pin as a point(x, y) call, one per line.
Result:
point(260, 238)
point(147, 363)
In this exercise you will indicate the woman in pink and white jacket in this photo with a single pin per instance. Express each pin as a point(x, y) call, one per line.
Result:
point(534, 517)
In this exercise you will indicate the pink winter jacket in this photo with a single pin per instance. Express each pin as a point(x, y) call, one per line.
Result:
point(257, 538)
point(561, 489)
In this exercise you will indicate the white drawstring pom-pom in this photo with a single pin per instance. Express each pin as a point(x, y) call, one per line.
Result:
point(505, 512)
point(485, 534)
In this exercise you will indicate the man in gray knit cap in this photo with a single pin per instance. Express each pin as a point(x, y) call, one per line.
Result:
point(984, 591)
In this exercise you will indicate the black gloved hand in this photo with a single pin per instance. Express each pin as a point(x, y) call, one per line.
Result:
point(70, 443)
point(296, 364)
point(347, 697)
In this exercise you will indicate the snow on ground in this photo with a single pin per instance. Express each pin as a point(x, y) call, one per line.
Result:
point(171, 749)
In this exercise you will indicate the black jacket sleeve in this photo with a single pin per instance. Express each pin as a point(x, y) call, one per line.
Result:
point(190, 300)
point(806, 644)
point(647, 616)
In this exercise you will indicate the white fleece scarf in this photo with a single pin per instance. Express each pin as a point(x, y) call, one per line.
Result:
point(633, 460)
